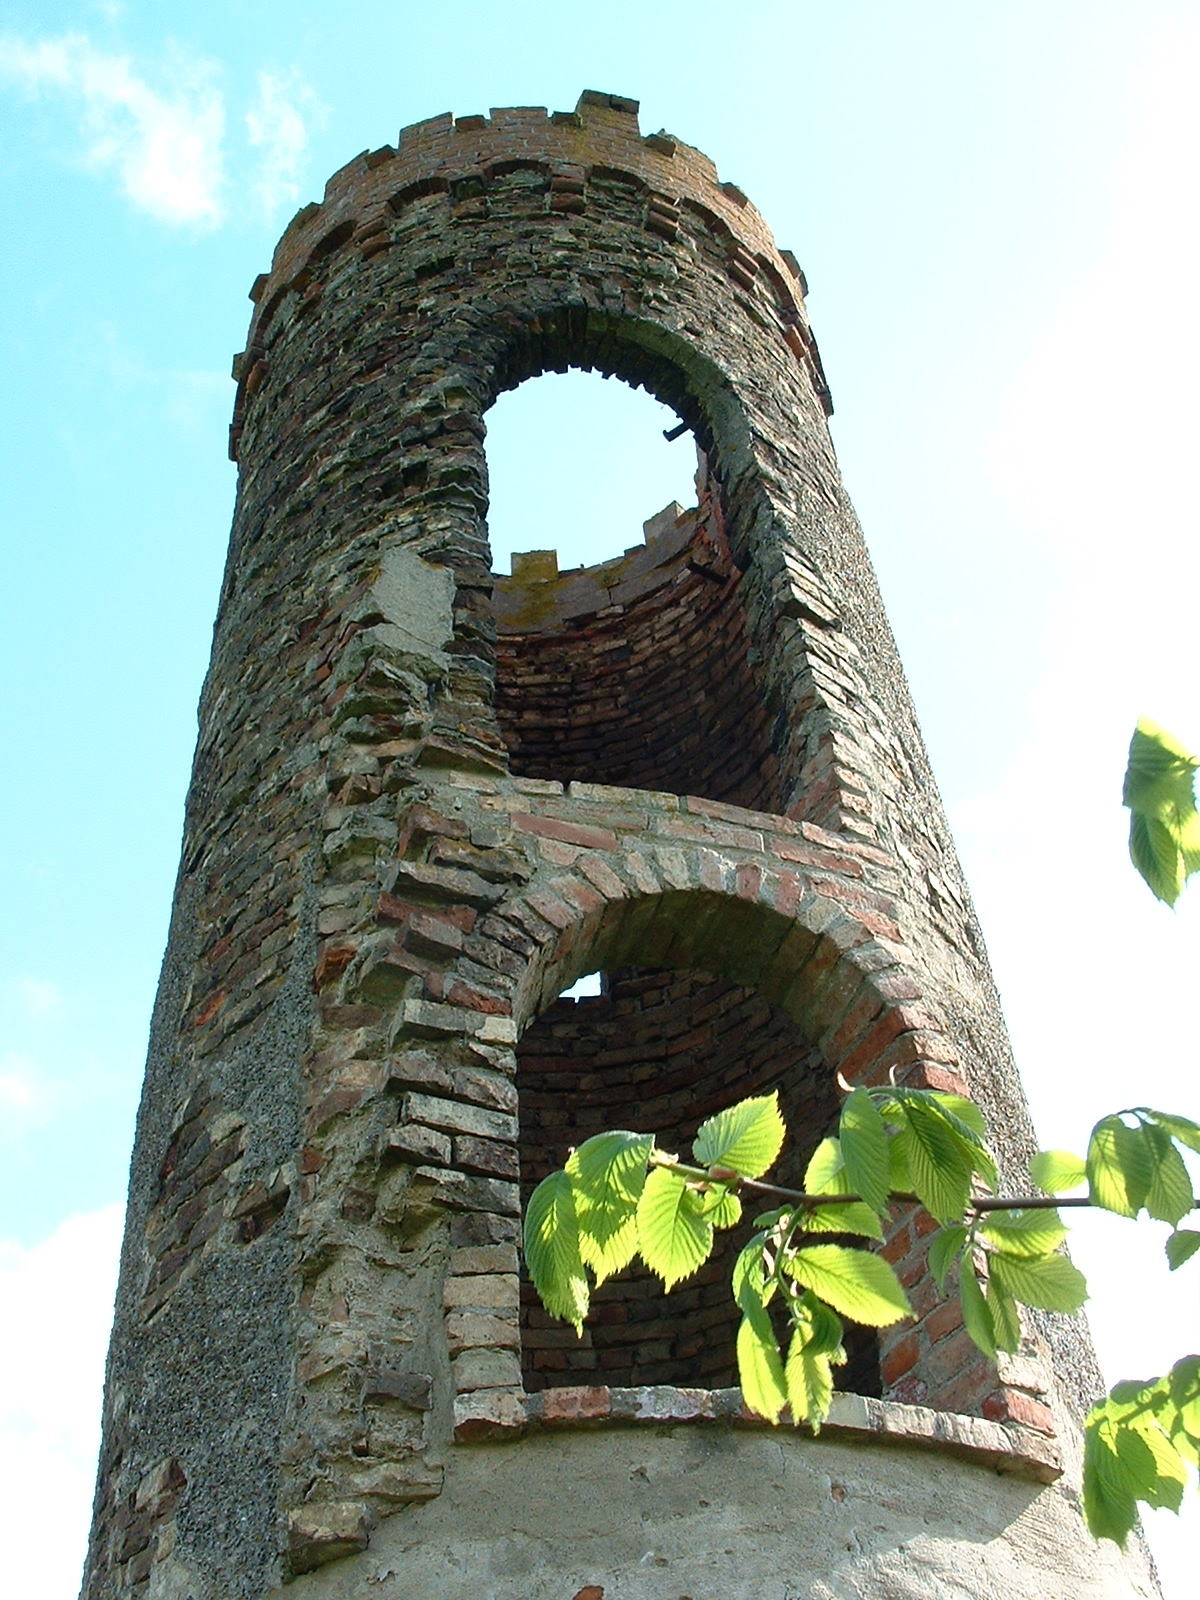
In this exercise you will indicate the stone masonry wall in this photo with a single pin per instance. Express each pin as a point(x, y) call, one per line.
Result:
point(319, 1307)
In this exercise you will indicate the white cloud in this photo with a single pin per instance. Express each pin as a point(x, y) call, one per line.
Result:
point(17, 1092)
point(57, 1299)
point(276, 126)
point(166, 146)
point(42, 996)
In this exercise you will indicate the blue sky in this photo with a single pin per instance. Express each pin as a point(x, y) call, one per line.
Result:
point(994, 207)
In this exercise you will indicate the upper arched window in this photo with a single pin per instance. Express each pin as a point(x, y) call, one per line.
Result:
point(634, 669)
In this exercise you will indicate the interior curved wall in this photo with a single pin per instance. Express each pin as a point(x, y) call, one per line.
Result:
point(637, 672)
point(659, 1052)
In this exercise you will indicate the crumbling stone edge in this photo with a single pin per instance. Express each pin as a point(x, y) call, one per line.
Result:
point(1010, 1449)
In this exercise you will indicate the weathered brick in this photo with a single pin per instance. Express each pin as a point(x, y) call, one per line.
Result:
point(457, 1118)
point(483, 1258)
point(1010, 1405)
point(588, 838)
point(487, 1156)
point(412, 1142)
point(485, 1369)
point(493, 1290)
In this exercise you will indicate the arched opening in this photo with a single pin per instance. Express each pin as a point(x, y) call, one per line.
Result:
point(576, 462)
point(659, 1051)
point(636, 670)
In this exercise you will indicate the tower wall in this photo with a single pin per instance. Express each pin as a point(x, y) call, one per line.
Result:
point(424, 801)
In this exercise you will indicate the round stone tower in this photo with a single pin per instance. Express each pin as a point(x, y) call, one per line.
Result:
point(426, 799)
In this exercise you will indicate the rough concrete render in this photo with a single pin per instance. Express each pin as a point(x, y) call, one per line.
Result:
point(425, 800)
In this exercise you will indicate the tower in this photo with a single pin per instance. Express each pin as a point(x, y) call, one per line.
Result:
point(425, 800)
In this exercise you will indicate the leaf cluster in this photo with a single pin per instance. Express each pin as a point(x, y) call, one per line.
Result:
point(620, 1197)
point(1008, 1257)
point(1139, 1445)
point(1134, 1163)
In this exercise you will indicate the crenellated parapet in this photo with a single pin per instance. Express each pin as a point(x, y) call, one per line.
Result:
point(561, 163)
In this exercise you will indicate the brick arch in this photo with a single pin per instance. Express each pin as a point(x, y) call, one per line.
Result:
point(742, 598)
point(836, 968)
point(776, 907)
point(690, 1022)
point(552, 334)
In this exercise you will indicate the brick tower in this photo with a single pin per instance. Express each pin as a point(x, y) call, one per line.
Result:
point(425, 800)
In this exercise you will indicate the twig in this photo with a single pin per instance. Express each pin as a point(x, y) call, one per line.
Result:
point(979, 1204)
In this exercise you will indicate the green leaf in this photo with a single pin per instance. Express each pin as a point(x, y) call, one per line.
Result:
point(673, 1236)
point(552, 1250)
point(1128, 1457)
point(1170, 1196)
point(1051, 1282)
point(1183, 1386)
point(1164, 837)
point(722, 1208)
point(1187, 1445)
point(1154, 851)
point(809, 1379)
point(970, 1141)
point(1120, 1168)
point(1006, 1320)
point(860, 1285)
point(760, 1370)
point(825, 1327)
point(608, 1173)
point(768, 1219)
point(1170, 1471)
point(1132, 1448)
point(899, 1149)
point(940, 1174)
point(1137, 1394)
point(962, 1108)
point(1181, 1246)
point(826, 1171)
point(943, 1252)
point(1181, 1128)
point(614, 1253)
point(746, 1137)
point(1160, 775)
point(853, 1217)
point(976, 1312)
point(1058, 1171)
point(610, 1164)
point(749, 1270)
point(1176, 1407)
point(1109, 1496)
point(1024, 1233)
point(1164, 827)
point(864, 1143)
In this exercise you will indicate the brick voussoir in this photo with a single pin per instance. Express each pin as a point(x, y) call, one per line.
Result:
point(921, 1047)
point(825, 861)
point(587, 837)
point(861, 1061)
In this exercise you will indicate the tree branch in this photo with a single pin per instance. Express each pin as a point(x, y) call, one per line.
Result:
point(980, 1204)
